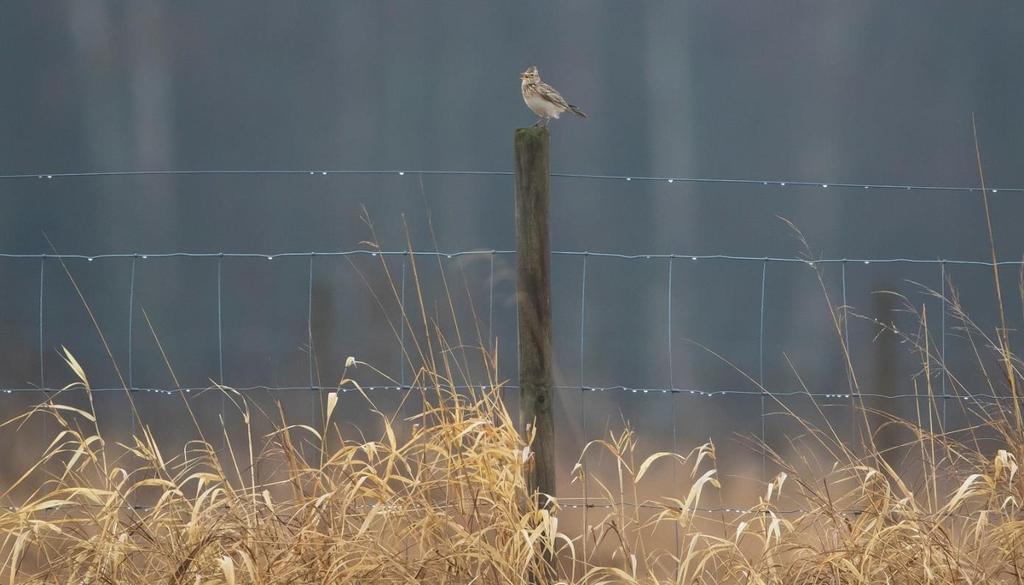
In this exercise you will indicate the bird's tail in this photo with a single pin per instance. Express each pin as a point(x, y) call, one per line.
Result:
point(576, 110)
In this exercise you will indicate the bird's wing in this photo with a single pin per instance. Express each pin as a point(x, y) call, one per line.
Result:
point(547, 92)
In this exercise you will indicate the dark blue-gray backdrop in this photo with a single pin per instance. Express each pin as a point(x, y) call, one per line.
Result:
point(872, 91)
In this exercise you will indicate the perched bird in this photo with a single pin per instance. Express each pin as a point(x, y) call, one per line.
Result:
point(543, 99)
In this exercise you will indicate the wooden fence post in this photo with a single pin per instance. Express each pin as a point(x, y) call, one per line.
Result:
point(533, 290)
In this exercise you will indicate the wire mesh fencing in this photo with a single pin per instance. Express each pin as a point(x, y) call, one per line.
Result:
point(683, 347)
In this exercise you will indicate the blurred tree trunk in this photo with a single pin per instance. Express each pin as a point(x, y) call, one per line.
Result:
point(150, 86)
point(672, 140)
point(126, 101)
point(100, 99)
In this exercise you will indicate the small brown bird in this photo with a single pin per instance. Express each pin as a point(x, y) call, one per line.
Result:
point(543, 100)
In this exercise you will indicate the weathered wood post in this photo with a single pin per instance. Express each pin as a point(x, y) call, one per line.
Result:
point(533, 291)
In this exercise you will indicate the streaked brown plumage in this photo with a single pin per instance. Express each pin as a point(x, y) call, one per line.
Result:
point(543, 99)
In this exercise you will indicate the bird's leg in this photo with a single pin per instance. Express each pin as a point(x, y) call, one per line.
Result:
point(545, 124)
point(537, 123)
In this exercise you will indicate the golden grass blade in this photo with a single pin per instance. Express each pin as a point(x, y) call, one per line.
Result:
point(74, 365)
point(227, 567)
point(332, 403)
point(16, 555)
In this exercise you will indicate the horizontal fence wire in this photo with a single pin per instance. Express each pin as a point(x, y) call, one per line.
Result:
point(448, 504)
point(569, 505)
point(457, 173)
point(564, 503)
point(587, 502)
point(462, 253)
point(623, 389)
point(626, 389)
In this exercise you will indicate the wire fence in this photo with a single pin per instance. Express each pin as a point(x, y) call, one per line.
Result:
point(759, 393)
point(456, 173)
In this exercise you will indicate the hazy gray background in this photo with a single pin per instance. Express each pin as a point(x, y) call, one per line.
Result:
point(874, 92)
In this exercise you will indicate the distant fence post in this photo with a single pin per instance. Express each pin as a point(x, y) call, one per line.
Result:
point(533, 290)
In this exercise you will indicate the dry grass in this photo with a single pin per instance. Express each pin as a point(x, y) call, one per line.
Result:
point(439, 506)
point(440, 498)
point(446, 504)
